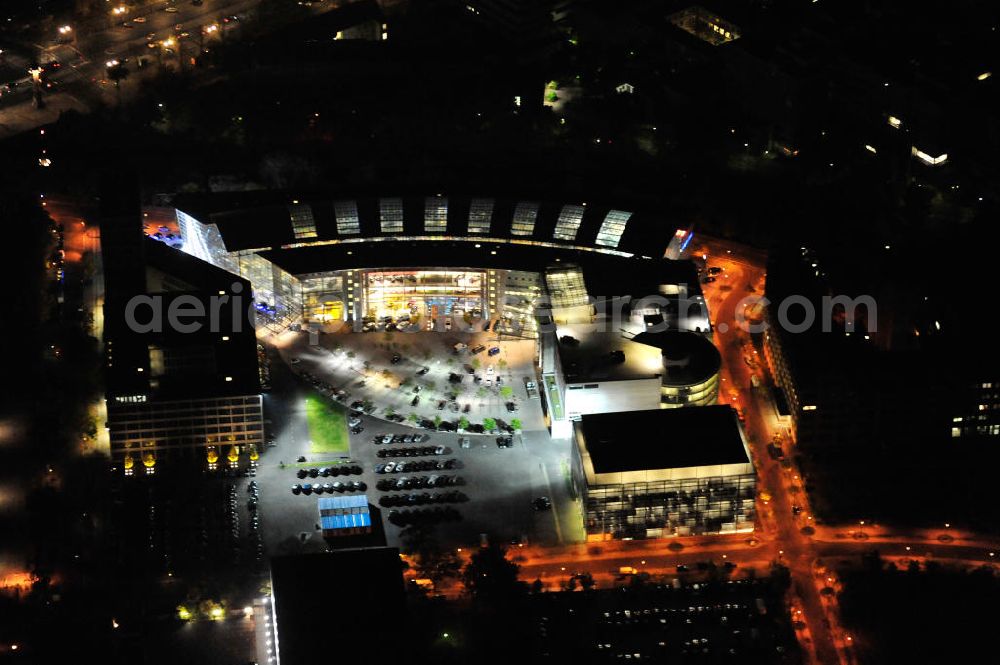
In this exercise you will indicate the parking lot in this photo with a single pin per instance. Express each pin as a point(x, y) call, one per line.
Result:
point(480, 488)
point(413, 377)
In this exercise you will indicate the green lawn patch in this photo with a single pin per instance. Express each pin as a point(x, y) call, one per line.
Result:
point(327, 426)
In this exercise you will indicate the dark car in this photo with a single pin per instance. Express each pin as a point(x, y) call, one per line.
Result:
point(423, 370)
point(541, 503)
point(511, 406)
point(415, 401)
point(714, 270)
point(494, 351)
point(395, 358)
point(707, 280)
point(301, 473)
point(440, 405)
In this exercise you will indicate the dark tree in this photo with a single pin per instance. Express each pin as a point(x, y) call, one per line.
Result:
point(491, 576)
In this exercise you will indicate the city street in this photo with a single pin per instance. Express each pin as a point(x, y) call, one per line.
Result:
point(83, 54)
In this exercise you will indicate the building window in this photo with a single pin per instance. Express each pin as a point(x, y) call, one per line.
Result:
point(435, 214)
point(303, 224)
point(480, 216)
point(391, 215)
point(525, 215)
point(346, 213)
point(568, 223)
point(612, 228)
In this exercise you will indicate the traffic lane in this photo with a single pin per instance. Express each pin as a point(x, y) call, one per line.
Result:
point(157, 19)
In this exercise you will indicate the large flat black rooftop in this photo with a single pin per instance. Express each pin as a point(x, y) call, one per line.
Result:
point(663, 439)
point(369, 586)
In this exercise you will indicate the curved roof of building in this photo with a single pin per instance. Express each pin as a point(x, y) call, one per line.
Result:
point(264, 219)
point(688, 358)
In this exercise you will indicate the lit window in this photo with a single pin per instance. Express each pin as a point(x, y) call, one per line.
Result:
point(303, 224)
point(480, 216)
point(612, 228)
point(525, 215)
point(391, 215)
point(929, 159)
point(568, 223)
point(956, 432)
point(346, 213)
point(435, 214)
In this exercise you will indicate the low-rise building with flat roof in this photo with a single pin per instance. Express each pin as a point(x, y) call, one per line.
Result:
point(664, 472)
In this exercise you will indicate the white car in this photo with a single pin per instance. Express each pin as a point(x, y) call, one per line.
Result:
point(489, 370)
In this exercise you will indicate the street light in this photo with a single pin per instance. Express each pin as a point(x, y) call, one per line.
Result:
point(65, 29)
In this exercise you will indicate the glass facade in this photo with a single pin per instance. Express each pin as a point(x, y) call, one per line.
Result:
point(423, 292)
point(346, 214)
point(435, 214)
point(277, 294)
point(612, 228)
point(525, 216)
point(566, 287)
point(568, 223)
point(163, 425)
point(303, 224)
point(480, 216)
point(718, 504)
point(702, 394)
point(390, 212)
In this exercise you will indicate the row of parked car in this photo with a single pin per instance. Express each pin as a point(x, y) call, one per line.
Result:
point(330, 488)
point(422, 499)
point(416, 465)
point(399, 438)
point(255, 535)
point(424, 516)
point(327, 471)
point(422, 451)
point(418, 482)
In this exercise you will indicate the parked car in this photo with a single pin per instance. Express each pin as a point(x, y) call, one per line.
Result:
point(541, 503)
